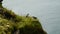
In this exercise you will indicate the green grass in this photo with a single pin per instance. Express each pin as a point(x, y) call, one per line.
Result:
point(10, 23)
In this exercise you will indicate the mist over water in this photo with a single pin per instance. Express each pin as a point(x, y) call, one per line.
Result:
point(47, 11)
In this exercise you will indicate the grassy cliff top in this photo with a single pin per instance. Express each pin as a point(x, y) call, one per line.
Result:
point(10, 23)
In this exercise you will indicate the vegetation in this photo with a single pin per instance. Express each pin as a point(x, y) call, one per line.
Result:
point(10, 23)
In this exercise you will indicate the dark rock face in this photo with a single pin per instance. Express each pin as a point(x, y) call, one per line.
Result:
point(1, 0)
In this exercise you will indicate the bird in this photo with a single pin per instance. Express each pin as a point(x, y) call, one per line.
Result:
point(27, 15)
point(34, 17)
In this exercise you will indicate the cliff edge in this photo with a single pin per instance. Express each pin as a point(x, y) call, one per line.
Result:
point(10, 23)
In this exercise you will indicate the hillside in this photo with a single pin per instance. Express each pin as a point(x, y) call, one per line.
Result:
point(10, 23)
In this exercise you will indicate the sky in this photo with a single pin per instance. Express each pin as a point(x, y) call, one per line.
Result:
point(47, 11)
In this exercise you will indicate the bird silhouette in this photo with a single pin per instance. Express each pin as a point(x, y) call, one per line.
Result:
point(27, 15)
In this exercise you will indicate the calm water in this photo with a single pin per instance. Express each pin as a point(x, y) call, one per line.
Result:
point(47, 11)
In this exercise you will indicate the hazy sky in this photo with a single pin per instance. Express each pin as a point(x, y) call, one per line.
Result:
point(48, 12)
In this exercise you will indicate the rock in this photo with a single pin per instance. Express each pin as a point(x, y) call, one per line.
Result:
point(1, 0)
